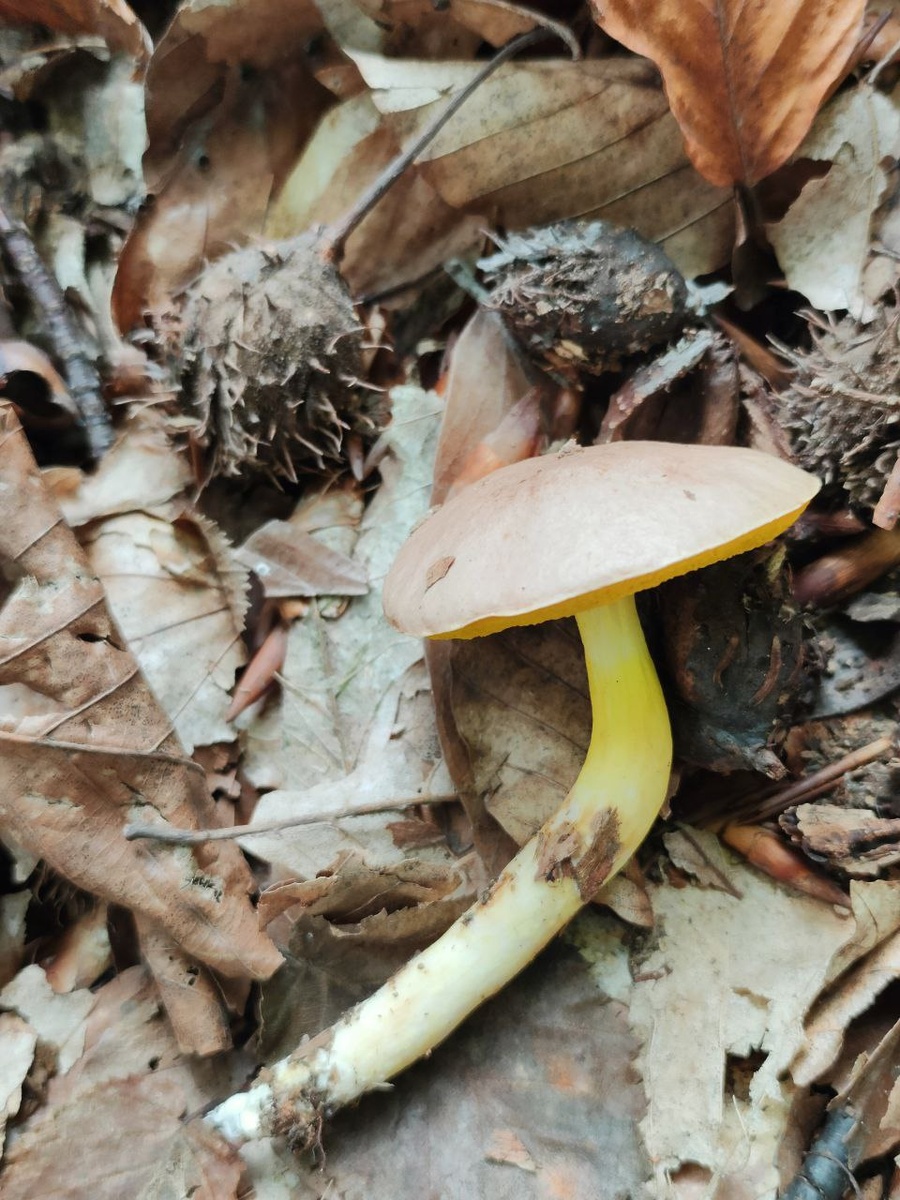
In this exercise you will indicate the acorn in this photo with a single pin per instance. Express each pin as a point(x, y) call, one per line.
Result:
point(272, 360)
point(841, 409)
point(583, 295)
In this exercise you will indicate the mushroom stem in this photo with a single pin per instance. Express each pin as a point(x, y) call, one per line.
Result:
point(603, 820)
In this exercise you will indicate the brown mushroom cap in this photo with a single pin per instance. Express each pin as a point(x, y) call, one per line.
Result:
point(556, 535)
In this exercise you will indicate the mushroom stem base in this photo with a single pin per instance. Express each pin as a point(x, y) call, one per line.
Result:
point(602, 821)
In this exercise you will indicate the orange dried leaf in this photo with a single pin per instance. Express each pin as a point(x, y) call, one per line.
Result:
point(744, 80)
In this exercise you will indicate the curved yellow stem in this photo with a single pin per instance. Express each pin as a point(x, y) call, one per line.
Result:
point(602, 821)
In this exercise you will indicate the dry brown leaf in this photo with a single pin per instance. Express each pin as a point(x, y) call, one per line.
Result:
point(145, 1112)
point(548, 140)
point(488, 376)
point(95, 749)
point(179, 598)
point(418, 27)
point(520, 704)
point(409, 233)
point(213, 176)
point(744, 80)
point(190, 995)
point(124, 1037)
point(111, 20)
point(129, 1055)
point(289, 562)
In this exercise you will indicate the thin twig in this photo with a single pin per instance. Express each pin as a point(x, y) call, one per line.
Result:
point(337, 234)
point(194, 837)
point(77, 366)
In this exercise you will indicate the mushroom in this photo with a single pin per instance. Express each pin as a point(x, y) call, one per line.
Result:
point(577, 534)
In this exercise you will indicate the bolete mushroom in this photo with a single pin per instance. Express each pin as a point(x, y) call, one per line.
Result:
point(576, 533)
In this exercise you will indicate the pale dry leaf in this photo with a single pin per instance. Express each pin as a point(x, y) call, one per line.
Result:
point(549, 140)
point(744, 80)
point(398, 765)
point(705, 860)
point(179, 597)
point(717, 985)
point(59, 1021)
point(338, 673)
point(13, 909)
point(141, 471)
point(18, 1042)
point(823, 242)
point(289, 562)
point(102, 751)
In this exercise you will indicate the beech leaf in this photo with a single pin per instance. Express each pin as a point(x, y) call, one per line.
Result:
point(87, 747)
point(744, 80)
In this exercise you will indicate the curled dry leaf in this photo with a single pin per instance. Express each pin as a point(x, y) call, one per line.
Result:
point(179, 598)
point(418, 25)
point(94, 749)
point(859, 970)
point(823, 243)
point(744, 80)
point(111, 20)
point(488, 376)
point(346, 932)
point(141, 471)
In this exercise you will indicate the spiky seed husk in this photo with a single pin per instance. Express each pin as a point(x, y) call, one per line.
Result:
point(585, 294)
point(272, 357)
point(842, 410)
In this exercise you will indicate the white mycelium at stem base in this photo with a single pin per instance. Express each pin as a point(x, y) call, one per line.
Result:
point(605, 817)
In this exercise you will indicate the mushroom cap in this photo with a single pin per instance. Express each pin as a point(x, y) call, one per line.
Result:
point(556, 535)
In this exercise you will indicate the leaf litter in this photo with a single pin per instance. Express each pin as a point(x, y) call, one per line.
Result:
point(670, 1064)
